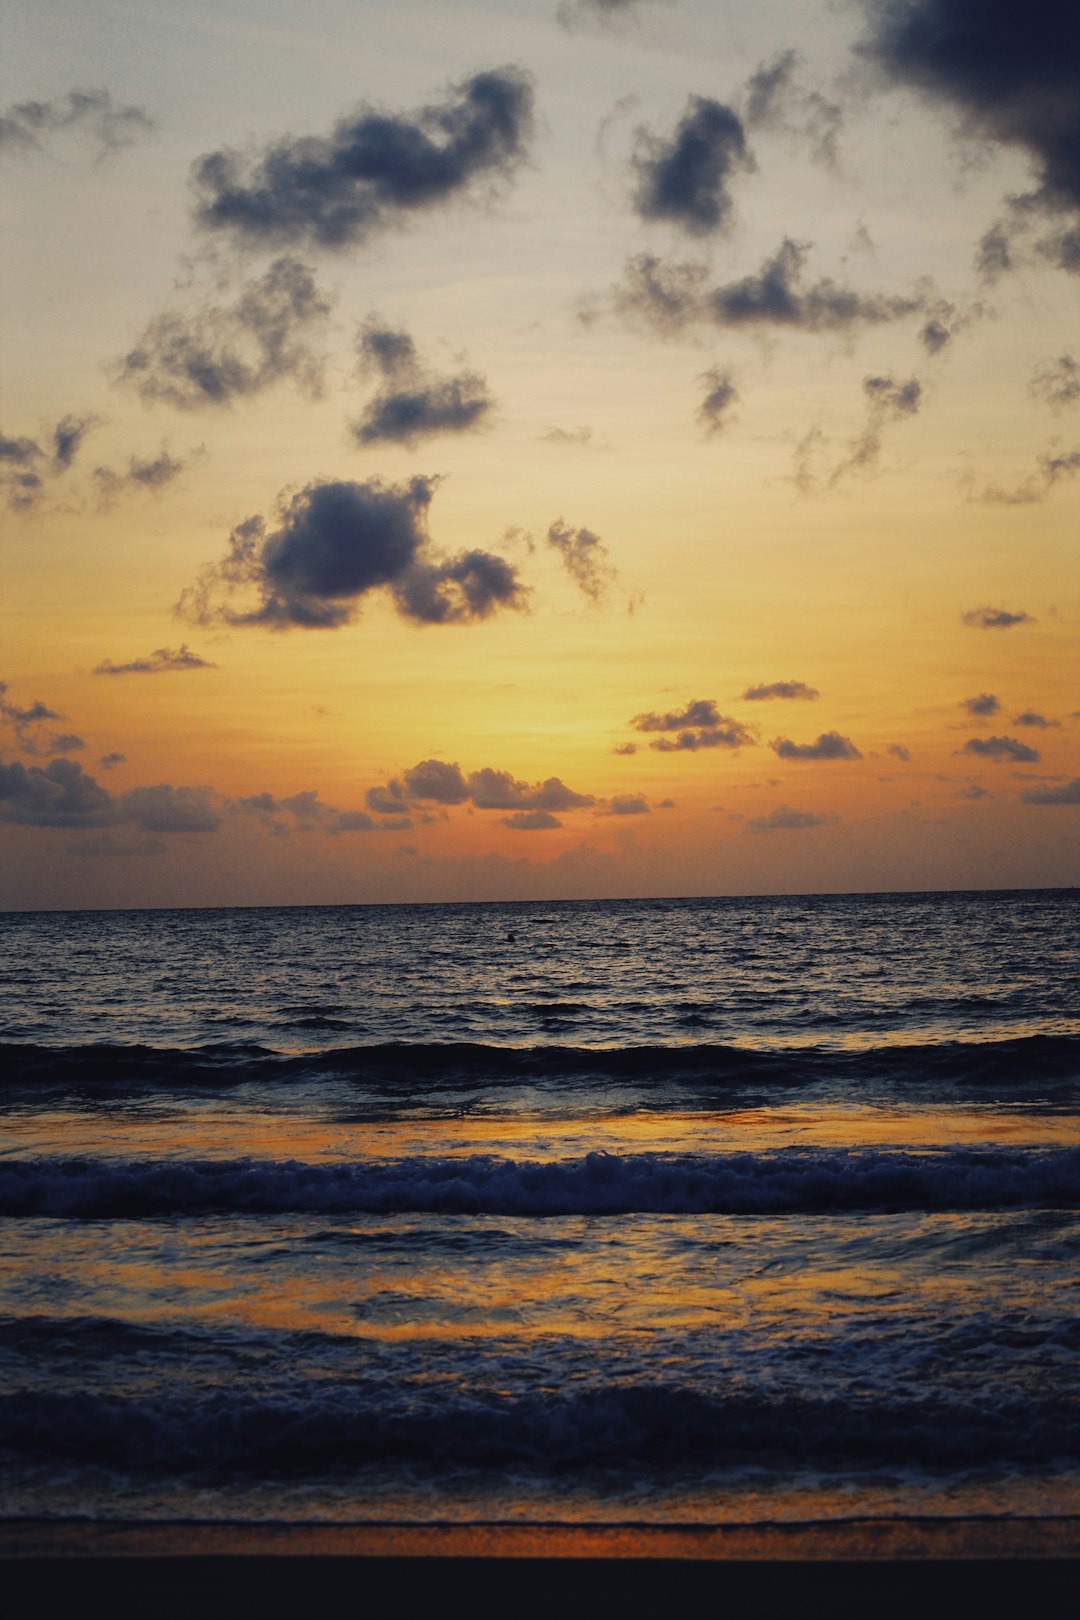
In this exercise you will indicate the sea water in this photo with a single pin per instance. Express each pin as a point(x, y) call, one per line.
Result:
point(695, 1212)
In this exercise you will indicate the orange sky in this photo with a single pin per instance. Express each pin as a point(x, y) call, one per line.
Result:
point(517, 388)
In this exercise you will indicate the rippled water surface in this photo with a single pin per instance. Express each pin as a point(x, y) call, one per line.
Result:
point(672, 1211)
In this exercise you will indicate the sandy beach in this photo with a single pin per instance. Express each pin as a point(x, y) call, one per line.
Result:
point(883, 1568)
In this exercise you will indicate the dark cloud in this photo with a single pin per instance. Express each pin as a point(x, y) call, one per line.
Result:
point(436, 783)
point(899, 752)
point(1000, 750)
point(586, 559)
point(531, 821)
point(498, 790)
point(142, 473)
point(164, 808)
point(780, 689)
point(698, 712)
point(459, 590)
point(159, 662)
point(109, 760)
point(775, 100)
point(785, 819)
point(625, 749)
point(335, 543)
point(830, 745)
point(27, 721)
point(375, 170)
point(1068, 794)
point(721, 396)
point(26, 467)
point(1036, 486)
point(68, 435)
point(1031, 718)
point(671, 297)
point(310, 813)
point(220, 353)
point(973, 791)
point(699, 725)
point(686, 178)
point(59, 794)
point(989, 618)
point(1009, 69)
point(627, 804)
point(26, 125)
point(413, 405)
point(985, 703)
point(1057, 382)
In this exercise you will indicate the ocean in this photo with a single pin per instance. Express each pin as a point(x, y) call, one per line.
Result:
point(692, 1212)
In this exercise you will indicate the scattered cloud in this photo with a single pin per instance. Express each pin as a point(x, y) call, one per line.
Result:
point(585, 558)
point(219, 353)
point(59, 794)
point(767, 690)
point(973, 791)
point(785, 819)
point(775, 100)
point(109, 760)
point(26, 126)
point(149, 473)
point(582, 437)
point(412, 404)
point(1057, 382)
point(986, 703)
point(335, 543)
point(721, 396)
point(309, 813)
point(375, 170)
point(164, 808)
point(1030, 717)
point(830, 745)
point(685, 179)
point(673, 297)
point(625, 749)
point(434, 781)
point(991, 618)
point(28, 723)
point(1036, 486)
point(1069, 793)
point(27, 467)
point(627, 804)
point(898, 751)
point(886, 401)
point(159, 662)
point(699, 725)
point(1000, 750)
point(498, 790)
point(531, 821)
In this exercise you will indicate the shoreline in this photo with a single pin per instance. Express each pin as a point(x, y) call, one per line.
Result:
point(978, 1538)
point(891, 1570)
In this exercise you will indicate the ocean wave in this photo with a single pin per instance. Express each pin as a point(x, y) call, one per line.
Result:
point(1026, 1061)
point(655, 1424)
point(789, 1181)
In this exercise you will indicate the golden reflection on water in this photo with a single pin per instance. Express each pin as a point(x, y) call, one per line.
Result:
point(223, 1132)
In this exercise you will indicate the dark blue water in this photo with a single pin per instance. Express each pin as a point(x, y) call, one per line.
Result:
point(667, 1211)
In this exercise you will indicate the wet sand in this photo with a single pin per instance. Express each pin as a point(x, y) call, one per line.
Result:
point(876, 1568)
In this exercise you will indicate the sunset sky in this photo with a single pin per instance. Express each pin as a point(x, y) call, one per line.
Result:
point(509, 449)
